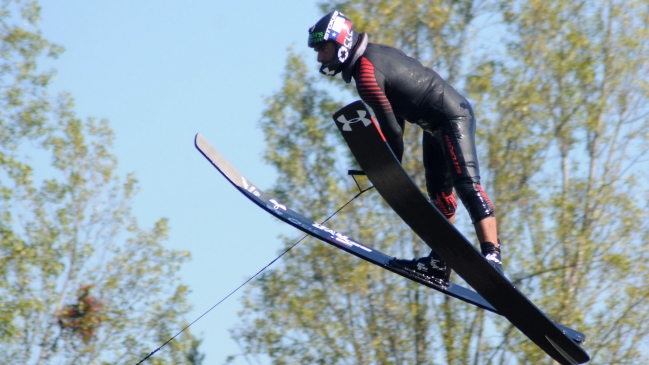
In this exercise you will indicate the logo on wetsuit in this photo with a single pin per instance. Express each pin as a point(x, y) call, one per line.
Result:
point(361, 118)
point(451, 150)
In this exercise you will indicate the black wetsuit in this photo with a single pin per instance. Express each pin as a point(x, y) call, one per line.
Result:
point(399, 88)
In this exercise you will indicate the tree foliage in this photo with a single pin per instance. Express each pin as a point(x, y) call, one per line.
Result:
point(81, 281)
point(566, 135)
point(560, 91)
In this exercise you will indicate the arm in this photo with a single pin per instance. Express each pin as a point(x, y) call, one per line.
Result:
point(370, 84)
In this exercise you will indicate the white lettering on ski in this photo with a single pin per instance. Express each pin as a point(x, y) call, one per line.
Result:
point(340, 237)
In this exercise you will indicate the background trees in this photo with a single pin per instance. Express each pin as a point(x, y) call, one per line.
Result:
point(566, 139)
point(81, 281)
point(560, 92)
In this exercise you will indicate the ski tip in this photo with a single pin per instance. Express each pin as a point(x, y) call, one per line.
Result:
point(569, 359)
point(199, 140)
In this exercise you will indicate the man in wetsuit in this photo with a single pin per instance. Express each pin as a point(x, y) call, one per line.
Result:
point(399, 88)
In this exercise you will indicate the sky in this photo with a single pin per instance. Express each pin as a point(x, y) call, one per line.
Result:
point(160, 72)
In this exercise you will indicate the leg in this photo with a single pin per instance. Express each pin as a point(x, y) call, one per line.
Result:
point(458, 143)
point(439, 181)
point(458, 133)
point(487, 230)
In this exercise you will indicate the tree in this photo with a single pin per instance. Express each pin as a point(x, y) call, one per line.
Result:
point(82, 282)
point(563, 92)
point(565, 137)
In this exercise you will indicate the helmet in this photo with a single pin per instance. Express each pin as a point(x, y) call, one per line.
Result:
point(333, 27)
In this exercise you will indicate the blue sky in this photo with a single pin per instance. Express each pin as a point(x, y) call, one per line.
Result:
point(162, 71)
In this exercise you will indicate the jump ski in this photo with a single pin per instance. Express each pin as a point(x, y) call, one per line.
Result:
point(332, 237)
point(368, 145)
point(322, 232)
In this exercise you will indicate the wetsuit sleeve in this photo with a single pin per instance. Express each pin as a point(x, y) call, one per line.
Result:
point(371, 85)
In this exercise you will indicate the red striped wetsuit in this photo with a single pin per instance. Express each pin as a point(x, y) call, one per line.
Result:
point(399, 88)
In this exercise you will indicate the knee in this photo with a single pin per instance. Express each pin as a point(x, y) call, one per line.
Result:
point(475, 201)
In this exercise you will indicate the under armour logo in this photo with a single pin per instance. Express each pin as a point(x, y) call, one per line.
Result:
point(361, 118)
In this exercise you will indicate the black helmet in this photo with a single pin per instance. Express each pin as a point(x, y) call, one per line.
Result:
point(333, 27)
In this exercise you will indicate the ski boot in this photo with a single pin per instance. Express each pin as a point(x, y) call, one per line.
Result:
point(432, 268)
point(492, 254)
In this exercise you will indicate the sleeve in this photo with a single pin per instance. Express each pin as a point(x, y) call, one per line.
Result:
point(371, 88)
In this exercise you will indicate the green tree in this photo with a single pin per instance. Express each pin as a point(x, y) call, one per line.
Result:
point(565, 140)
point(560, 93)
point(81, 281)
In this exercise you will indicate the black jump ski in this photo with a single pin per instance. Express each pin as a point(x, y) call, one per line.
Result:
point(368, 145)
point(324, 233)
